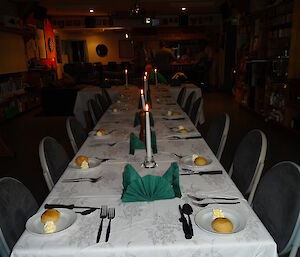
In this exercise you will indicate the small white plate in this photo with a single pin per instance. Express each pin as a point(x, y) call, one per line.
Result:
point(188, 162)
point(204, 219)
point(67, 218)
point(94, 136)
point(93, 163)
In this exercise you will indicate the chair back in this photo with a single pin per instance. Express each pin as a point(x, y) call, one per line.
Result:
point(195, 110)
point(217, 134)
point(107, 96)
point(95, 111)
point(188, 103)
point(101, 100)
point(181, 96)
point(277, 204)
point(54, 160)
point(76, 133)
point(17, 205)
point(248, 162)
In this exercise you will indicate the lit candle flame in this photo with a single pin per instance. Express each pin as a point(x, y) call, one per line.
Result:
point(146, 73)
point(126, 71)
point(145, 78)
point(147, 108)
point(142, 91)
point(155, 70)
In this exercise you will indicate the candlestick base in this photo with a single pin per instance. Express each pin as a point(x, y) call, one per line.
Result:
point(149, 164)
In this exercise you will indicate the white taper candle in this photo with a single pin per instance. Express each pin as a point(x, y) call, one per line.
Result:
point(148, 134)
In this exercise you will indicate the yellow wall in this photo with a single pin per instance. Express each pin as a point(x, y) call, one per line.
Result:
point(108, 38)
point(12, 53)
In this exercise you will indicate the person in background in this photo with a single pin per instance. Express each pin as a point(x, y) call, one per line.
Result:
point(185, 58)
point(163, 59)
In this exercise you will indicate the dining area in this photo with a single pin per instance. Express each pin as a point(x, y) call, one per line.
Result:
point(144, 181)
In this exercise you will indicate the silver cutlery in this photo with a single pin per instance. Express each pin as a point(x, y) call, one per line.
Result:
point(200, 173)
point(183, 138)
point(174, 119)
point(92, 180)
point(205, 204)
point(86, 212)
point(188, 210)
point(111, 215)
point(177, 155)
point(102, 160)
point(185, 226)
point(216, 198)
point(67, 206)
point(103, 215)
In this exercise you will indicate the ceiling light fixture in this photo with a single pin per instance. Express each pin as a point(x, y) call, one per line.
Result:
point(91, 10)
point(183, 8)
point(136, 10)
point(126, 35)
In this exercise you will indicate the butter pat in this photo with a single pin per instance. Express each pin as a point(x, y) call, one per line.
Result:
point(49, 227)
point(115, 110)
point(169, 113)
point(84, 165)
point(194, 157)
point(218, 213)
point(180, 127)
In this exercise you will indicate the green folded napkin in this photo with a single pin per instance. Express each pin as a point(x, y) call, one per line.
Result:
point(136, 143)
point(150, 188)
point(138, 122)
point(160, 77)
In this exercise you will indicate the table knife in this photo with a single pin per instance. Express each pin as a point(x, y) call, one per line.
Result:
point(195, 198)
point(200, 173)
point(185, 226)
point(65, 206)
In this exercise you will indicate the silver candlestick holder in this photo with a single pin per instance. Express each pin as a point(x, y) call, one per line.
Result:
point(149, 164)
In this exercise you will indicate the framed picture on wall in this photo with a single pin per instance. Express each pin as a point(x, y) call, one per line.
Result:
point(126, 49)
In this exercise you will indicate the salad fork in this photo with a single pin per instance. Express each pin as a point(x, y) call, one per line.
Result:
point(103, 215)
point(111, 215)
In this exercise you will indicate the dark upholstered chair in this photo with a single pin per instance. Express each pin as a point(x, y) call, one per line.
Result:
point(17, 205)
point(248, 162)
point(76, 133)
point(102, 101)
point(181, 96)
point(54, 160)
point(107, 96)
point(188, 103)
point(217, 134)
point(277, 204)
point(95, 111)
point(195, 110)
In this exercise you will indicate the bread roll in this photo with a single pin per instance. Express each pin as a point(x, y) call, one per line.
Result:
point(80, 159)
point(222, 225)
point(200, 161)
point(50, 215)
point(100, 132)
point(175, 113)
point(184, 130)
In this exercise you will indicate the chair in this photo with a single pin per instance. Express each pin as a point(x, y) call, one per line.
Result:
point(188, 103)
point(181, 96)
point(95, 111)
point(17, 205)
point(76, 133)
point(54, 160)
point(217, 134)
point(107, 96)
point(277, 204)
point(102, 101)
point(195, 109)
point(248, 162)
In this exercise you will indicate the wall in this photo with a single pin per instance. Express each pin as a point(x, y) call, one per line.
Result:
point(12, 52)
point(93, 38)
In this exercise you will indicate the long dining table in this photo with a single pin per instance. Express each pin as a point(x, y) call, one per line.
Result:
point(145, 228)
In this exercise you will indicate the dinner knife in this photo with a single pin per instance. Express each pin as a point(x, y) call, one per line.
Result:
point(200, 173)
point(195, 198)
point(185, 226)
point(174, 119)
point(70, 206)
point(183, 138)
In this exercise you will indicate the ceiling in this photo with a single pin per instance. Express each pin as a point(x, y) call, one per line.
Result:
point(118, 7)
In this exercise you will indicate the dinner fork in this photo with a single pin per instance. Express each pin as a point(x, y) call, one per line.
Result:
point(71, 180)
point(205, 204)
point(111, 215)
point(103, 214)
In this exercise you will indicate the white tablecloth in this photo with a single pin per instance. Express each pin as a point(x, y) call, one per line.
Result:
point(144, 228)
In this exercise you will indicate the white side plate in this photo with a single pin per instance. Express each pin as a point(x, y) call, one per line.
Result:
point(93, 163)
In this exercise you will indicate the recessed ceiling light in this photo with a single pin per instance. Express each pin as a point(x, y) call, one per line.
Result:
point(91, 10)
point(183, 8)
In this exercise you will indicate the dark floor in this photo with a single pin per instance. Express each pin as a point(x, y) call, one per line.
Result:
point(23, 134)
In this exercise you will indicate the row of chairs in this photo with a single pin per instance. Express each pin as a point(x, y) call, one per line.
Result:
point(279, 211)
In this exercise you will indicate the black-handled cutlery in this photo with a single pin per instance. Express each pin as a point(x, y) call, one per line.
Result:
point(67, 206)
point(183, 138)
point(174, 119)
point(73, 180)
point(103, 215)
point(195, 198)
point(111, 215)
point(205, 204)
point(185, 226)
point(200, 173)
point(188, 210)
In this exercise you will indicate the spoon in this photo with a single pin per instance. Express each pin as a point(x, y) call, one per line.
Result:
point(188, 210)
point(86, 212)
